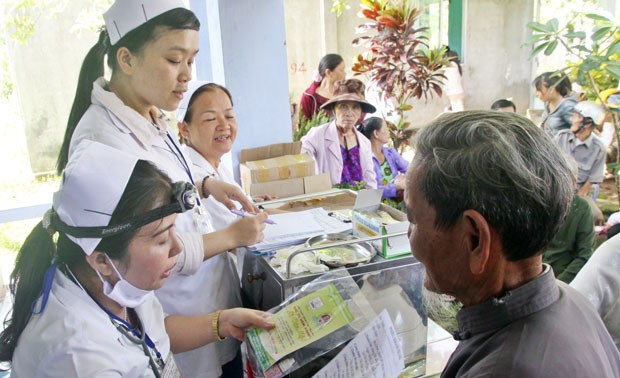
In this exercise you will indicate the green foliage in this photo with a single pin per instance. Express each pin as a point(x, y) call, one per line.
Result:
point(13, 234)
point(357, 185)
point(596, 60)
point(398, 59)
point(305, 125)
point(7, 84)
point(596, 64)
point(338, 6)
point(18, 24)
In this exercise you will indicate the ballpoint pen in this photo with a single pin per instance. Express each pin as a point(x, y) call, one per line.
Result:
point(242, 213)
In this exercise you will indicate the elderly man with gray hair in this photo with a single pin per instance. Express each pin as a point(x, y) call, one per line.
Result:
point(485, 193)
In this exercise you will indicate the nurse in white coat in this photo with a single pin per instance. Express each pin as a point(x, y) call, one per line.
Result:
point(150, 47)
point(84, 307)
point(208, 128)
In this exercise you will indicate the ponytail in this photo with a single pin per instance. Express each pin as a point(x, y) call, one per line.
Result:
point(33, 259)
point(92, 68)
point(370, 125)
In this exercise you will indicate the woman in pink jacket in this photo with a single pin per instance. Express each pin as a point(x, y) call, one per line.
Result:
point(337, 147)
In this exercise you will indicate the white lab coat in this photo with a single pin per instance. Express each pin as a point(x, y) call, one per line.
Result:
point(221, 217)
point(599, 281)
point(74, 337)
point(196, 290)
point(214, 287)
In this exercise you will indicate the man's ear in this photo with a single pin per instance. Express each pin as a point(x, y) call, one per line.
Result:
point(477, 240)
point(100, 263)
point(126, 61)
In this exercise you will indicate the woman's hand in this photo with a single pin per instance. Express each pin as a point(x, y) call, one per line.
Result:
point(233, 322)
point(399, 181)
point(226, 193)
point(248, 230)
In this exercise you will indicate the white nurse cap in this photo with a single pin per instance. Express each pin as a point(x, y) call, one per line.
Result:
point(192, 87)
point(126, 15)
point(92, 185)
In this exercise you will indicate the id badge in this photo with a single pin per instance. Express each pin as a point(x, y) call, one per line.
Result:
point(203, 219)
point(171, 370)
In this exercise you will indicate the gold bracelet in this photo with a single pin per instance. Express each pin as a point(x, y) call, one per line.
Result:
point(215, 326)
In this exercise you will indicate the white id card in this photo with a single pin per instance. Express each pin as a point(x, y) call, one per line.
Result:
point(171, 370)
point(203, 219)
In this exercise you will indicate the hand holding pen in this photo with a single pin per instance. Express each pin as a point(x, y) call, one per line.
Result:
point(242, 213)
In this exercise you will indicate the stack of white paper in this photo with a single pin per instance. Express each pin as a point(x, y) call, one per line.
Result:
point(296, 227)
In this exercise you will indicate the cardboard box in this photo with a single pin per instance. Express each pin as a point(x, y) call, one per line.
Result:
point(291, 187)
point(277, 168)
point(369, 201)
point(281, 188)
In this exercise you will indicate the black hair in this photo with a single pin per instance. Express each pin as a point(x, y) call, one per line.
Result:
point(329, 61)
point(38, 250)
point(369, 125)
point(209, 87)
point(92, 67)
point(503, 103)
point(557, 80)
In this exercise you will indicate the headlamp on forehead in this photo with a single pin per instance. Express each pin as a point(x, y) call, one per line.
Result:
point(183, 199)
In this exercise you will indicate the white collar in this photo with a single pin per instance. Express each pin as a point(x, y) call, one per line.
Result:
point(145, 132)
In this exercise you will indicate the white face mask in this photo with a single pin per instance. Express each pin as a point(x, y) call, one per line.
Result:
point(123, 292)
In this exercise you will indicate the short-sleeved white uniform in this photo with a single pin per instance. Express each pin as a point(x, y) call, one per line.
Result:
point(74, 337)
point(197, 290)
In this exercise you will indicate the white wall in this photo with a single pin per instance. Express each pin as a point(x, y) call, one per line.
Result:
point(247, 54)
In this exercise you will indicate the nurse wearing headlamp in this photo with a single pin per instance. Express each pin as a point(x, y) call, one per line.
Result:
point(84, 306)
point(150, 47)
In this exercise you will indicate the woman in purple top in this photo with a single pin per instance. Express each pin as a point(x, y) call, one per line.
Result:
point(390, 167)
point(337, 147)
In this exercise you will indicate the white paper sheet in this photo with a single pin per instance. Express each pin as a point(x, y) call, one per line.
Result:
point(374, 353)
point(296, 227)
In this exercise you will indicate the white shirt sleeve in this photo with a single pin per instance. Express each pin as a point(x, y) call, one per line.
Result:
point(189, 260)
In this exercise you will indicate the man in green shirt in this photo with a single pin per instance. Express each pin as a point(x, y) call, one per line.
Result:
point(571, 247)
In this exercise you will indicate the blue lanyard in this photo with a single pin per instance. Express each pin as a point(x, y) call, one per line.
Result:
point(48, 279)
point(141, 338)
point(138, 338)
point(176, 151)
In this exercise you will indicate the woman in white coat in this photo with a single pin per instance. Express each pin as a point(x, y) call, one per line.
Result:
point(150, 47)
point(338, 148)
point(208, 129)
point(84, 306)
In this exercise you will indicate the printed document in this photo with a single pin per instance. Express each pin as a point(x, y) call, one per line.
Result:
point(374, 353)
